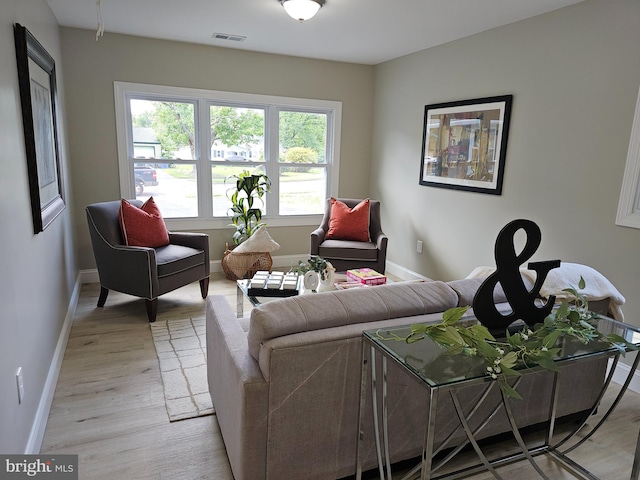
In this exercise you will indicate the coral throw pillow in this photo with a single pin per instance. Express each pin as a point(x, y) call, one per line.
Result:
point(144, 226)
point(349, 223)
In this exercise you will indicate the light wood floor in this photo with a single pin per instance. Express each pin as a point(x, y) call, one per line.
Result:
point(109, 406)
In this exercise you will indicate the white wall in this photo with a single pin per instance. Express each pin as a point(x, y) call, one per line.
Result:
point(91, 68)
point(37, 272)
point(574, 76)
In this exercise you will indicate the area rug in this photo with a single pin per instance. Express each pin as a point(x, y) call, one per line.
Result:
point(182, 353)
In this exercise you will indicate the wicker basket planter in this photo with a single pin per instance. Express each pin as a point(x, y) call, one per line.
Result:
point(237, 266)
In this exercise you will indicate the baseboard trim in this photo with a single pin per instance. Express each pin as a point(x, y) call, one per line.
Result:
point(404, 273)
point(34, 442)
point(621, 373)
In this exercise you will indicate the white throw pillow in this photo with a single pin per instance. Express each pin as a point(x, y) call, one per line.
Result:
point(260, 241)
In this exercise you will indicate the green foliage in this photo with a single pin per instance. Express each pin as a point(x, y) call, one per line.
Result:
point(314, 264)
point(301, 129)
point(246, 217)
point(301, 155)
point(524, 349)
point(236, 126)
point(173, 124)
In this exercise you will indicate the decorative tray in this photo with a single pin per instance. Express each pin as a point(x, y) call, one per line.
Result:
point(273, 284)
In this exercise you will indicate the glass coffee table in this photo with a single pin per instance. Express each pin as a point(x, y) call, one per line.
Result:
point(243, 291)
point(419, 361)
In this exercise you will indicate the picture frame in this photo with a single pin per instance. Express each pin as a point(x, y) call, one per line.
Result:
point(628, 214)
point(464, 144)
point(39, 104)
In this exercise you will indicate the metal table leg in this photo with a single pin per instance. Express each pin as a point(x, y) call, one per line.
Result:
point(635, 471)
point(239, 302)
point(374, 403)
point(363, 398)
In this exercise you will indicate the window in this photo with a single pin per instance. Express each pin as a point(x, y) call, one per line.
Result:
point(183, 146)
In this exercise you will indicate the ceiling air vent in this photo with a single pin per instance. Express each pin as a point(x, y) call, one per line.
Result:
point(229, 37)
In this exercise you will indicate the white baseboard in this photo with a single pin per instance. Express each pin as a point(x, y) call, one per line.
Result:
point(34, 442)
point(621, 373)
point(89, 276)
point(404, 273)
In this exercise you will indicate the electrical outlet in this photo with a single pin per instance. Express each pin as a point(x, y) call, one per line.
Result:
point(20, 382)
point(419, 246)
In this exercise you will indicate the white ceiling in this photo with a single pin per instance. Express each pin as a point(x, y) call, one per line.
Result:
point(359, 31)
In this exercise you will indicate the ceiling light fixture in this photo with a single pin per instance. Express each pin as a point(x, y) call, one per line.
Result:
point(302, 10)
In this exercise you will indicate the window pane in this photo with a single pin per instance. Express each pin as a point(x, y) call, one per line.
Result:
point(302, 190)
point(163, 129)
point(303, 137)
point(223, 181)
point(173, 187)
point(237, 134)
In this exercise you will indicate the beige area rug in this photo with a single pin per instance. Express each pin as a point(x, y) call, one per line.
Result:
point(182, 352)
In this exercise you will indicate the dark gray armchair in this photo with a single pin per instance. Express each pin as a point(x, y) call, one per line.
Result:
point(141, 271)
point(347, 254)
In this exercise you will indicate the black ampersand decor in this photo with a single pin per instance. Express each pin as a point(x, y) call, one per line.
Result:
point(522, 301)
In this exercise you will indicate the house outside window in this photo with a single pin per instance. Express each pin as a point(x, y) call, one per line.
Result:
point(194, 141)
point(145, 143)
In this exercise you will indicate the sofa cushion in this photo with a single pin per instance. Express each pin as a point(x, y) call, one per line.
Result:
point(345, 307)
point(172, 259)
point(348, 250)
point(467, 288)
point(277, 346)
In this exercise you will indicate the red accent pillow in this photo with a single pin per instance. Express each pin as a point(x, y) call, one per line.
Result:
point(144, 226)
point(349, 223)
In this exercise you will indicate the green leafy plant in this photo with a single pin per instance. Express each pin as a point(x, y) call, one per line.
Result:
point(527, 348)
point(314, 264)
point(245, 216)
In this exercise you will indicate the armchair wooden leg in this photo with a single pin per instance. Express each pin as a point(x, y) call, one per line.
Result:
point(103, 296)
point(152, 309)
point(204, 287)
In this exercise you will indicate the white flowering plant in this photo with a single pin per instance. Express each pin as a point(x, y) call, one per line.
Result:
point(527, 348)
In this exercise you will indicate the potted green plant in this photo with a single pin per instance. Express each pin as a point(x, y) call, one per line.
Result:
point(244, 213)
point(319, 267)
point(314, 264)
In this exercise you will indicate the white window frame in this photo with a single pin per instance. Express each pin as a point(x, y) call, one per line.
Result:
point(202, 99)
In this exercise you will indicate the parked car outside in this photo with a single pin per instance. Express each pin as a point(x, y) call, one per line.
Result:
point(236, 158)
point(144, 177)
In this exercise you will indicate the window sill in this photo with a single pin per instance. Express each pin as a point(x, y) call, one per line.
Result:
point(186, 224)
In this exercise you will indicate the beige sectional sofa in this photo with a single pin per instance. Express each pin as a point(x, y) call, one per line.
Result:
point(285, 384)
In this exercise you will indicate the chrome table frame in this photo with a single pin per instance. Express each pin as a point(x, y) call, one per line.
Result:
point(426, 470)
point(242, 290)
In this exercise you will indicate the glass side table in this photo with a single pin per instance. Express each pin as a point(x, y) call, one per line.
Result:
point(419, 360)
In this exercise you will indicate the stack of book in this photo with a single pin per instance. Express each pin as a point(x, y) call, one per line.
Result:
point(366, 276)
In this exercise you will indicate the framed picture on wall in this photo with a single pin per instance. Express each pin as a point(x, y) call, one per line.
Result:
point(464, 144)
point(38, 98)
point(629, 203)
